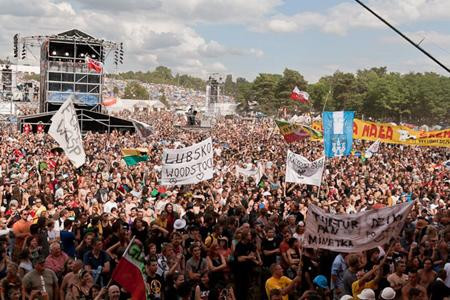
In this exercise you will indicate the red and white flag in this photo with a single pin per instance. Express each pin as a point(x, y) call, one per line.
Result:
point(130, 272)
point(93, 64)
point(298, 95)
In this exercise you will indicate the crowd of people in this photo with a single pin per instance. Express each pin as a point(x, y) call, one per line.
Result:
point(64, 230)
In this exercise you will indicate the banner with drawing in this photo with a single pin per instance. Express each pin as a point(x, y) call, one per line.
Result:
point(188, 165)
point(300, 170)
point(394, 134)
point(66, 132)
point(354, 232)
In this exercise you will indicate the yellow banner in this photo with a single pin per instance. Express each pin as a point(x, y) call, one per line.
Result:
point(395, 134)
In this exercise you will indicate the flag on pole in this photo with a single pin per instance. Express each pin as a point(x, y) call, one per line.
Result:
point(298, 95)
point(66, 132)
point(293, 132)
point(142, 129)
point(93, 64)
point(130, 272)
point(338, 132)
point(133, 156)
point(372, 149)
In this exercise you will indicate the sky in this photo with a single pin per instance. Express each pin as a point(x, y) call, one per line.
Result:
point(244, 37)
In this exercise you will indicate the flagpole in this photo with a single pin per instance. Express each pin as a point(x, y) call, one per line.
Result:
point(325, 159)
point(326, 100)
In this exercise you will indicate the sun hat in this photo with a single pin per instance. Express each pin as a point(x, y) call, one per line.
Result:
point(179, 224)
point(367, 294)
point(388, 293)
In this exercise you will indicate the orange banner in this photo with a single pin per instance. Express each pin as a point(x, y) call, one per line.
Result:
point(395, 134)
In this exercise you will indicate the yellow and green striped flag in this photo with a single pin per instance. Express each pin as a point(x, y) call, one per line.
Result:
point(132, 156)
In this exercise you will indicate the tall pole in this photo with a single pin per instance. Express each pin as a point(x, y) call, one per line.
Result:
point(404, 36)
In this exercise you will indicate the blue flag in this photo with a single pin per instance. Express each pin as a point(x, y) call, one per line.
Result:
point(338, 132)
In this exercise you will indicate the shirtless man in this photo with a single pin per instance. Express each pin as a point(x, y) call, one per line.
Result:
point(426, 275)
point(413, 282)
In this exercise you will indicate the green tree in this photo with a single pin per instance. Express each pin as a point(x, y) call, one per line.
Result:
point(134, 90)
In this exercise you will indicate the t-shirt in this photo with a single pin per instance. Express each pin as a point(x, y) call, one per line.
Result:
point(9, 286)
point(269, 246)
point(196, 266)
point(155, 286)
point(349, 278)
point(67, 241)
point(277, 283)
point(244, 250)
point(33, 281)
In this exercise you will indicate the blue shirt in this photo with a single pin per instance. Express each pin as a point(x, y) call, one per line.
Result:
point(67, 241)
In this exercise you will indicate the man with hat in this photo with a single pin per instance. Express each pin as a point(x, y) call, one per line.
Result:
point(40, 283)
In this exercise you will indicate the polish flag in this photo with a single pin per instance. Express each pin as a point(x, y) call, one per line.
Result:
point(93, 64)
point(298, 95)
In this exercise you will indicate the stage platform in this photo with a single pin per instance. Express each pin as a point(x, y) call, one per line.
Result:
point(89, 121)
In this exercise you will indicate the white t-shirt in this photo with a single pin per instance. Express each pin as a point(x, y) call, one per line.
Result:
point(109, 206)
point(447, 269)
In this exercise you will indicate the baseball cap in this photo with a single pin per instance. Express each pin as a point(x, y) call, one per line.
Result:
point(321, 281)
point(367, 294)
point(388, 293)
point(346, 297)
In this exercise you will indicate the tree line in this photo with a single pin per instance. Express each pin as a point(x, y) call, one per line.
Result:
point(418, 98)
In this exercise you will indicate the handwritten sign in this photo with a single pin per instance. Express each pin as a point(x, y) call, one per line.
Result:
point(354, 232)
point(188, 165)
point(66, 132)
point(300, 170)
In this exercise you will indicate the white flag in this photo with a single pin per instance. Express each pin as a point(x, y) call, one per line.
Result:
point(372, 149)
point(300, 170)
point(255, 172)
point(142, 129)
point(66, 132)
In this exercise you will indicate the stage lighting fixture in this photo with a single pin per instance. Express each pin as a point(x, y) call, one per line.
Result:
point(16, 45)
point(93, 55)
point(53, 52)
point(81, 54)
point(66, 54)
point(24, 52)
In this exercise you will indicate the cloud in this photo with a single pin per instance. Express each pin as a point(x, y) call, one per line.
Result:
point(425, 38)
point(340, 18)
point(154, 32)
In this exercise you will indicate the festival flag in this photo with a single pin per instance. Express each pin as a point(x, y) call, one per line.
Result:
point(298, 95)
point(338, 132)
point(93, 64)
point(372, 149)
point(294, 132)
point(132, 156)
point(130, 272)
point(109, 101)
point(66, 132)
point(142, 129)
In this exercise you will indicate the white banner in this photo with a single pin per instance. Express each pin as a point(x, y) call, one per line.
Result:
point(188, 165)
point(301, 170)
point(354, 232)
point(256, 172)
point(372, 149)
point(66, 132)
